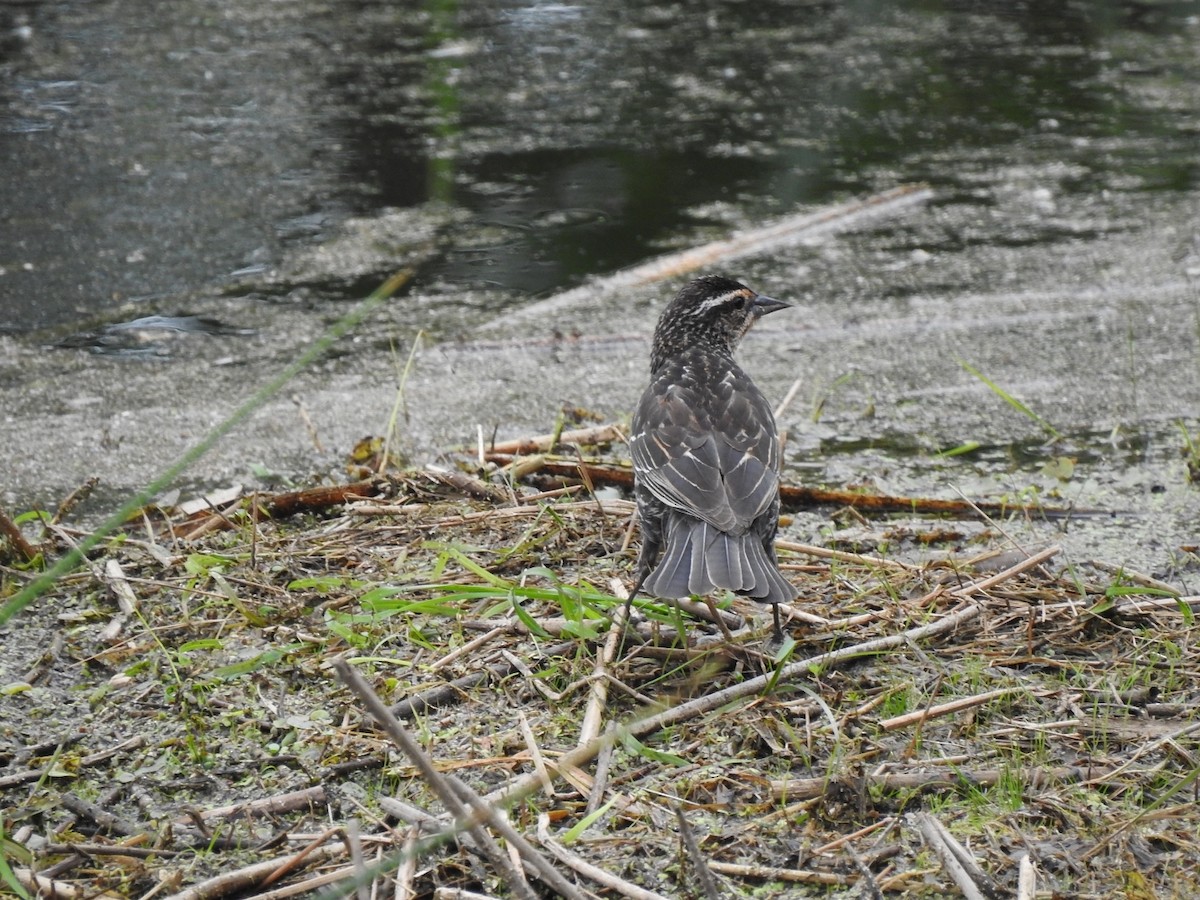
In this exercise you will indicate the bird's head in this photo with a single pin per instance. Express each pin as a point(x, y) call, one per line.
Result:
point(712, 312)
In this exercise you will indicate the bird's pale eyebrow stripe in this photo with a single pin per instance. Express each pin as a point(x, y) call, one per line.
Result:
point(720, 300)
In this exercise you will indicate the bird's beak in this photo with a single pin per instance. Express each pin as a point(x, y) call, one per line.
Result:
point(764, 304)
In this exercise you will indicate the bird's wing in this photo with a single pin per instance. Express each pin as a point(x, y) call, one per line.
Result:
point(712, 455)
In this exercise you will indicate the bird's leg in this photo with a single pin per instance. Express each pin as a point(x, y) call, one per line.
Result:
point(646, 560)
point(637, 586)
point(778, 636)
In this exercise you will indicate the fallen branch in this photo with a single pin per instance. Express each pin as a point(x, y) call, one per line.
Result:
point(467, 484)
point(842, 556)
point(960, 865)
point(944, 709)
point(771, 873)
point(467, 815)
point(797, 789)
point(783, 232)
point(795, 497)
point(306, 799)
point(544, 443)
point(15, 539)
point(249, 877)
point(281, 506)
point(586, 869)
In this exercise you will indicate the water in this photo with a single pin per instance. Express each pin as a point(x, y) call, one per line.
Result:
point(153, 154)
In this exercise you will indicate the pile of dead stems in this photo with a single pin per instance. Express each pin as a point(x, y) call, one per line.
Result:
point(431, 695)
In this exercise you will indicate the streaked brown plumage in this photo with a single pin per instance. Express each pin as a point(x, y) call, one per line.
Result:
point(706, 454)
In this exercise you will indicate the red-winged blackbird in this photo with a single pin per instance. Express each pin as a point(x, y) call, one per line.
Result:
point(706, 454)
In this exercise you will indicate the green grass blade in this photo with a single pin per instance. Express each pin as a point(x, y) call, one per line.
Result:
point(1012, 401)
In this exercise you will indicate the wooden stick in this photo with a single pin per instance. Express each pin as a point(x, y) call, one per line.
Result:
point(593, 713)
point(723, 618)
point(1134, 605)
point(944, 709)
point(586, 869)
point(800, 497)
point(795, 789)
point(870, 885)
point(1026, 879)
point(41, 886)
point(535, 754)
point(307, 885)
point(842, 556)
point(407, 870)
point(787, 399)
point(959, 864)
point(108, 821)
point(943, 845)
point(307, 798)
point(444, 693)
point(15, 539)
point(467, 484)
point(528, 852)
point(848, 838)
point(985, 584)
point(470, 646)
point(251, 876)
point(1134, 575)
point(544, 443)
point(463, 816)
point(699, 863)
point(494, 818)
point(124, 849)
point(780, 233)
point(771, 873)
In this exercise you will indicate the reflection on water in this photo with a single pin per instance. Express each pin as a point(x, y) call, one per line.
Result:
point(155, 153)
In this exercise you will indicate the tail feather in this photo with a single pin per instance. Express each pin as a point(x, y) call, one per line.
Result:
point(769, 584)
point(699, 559)
point(725, 560)
point(671, 576)
point(699, 580)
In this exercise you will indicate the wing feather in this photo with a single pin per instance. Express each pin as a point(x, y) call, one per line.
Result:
point(711, 454)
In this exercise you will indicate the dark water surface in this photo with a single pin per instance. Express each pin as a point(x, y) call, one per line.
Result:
point(147, 152)
point(264, 162)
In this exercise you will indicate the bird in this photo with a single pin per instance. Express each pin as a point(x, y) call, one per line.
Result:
point(706, 454)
